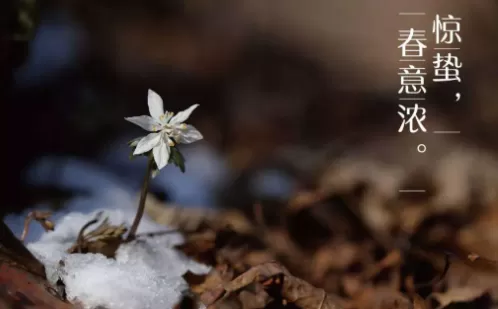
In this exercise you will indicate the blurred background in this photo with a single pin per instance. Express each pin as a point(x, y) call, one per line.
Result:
point(293, 95)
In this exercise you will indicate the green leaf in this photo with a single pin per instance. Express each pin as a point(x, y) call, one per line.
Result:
point(181, 162)
point(155, 172)
point(134, 142)
point(154, 165)
point(177, 158)
point(132, 156)
point(28, 16)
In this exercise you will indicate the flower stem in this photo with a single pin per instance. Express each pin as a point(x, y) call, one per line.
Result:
point(141, 203)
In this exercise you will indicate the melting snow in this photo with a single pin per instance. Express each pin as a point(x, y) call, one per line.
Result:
point(146, 274)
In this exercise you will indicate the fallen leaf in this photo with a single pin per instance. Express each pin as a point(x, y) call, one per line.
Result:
point(344, 254)
point(352, 285)
point(212, 288)
point(187, 302)
point(196, 281)
point(381, 298)
point(293, 289)
point(200, 246)
point(304, 199)
point(419, 302)
point(254, 300)
point(458, 295)
point(392, 259)
point(195, 219)
point(229, 302)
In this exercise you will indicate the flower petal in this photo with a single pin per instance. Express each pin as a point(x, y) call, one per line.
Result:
point(147, 143)
point(183, 115)
point(167, 140)
point(161, 154)
point(145, 122)
point(188, 135)
point(155, 102)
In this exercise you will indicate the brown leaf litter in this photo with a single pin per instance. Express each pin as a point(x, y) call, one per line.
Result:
point(323, 254)
point(319, 250)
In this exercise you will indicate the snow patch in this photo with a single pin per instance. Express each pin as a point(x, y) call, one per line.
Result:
point(146, 273)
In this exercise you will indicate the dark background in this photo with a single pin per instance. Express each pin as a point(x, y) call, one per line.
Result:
point(316, 75)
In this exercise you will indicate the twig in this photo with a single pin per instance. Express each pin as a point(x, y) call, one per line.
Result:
point(323, 299)
point(141, 203)
point(80, 239)
point(442, 275)
point(392, 259)
point(25, 230)
point(160, 233)
point(437, 279)
point(41, 217)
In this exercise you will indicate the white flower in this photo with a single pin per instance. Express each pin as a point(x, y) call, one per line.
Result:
point(167, 129)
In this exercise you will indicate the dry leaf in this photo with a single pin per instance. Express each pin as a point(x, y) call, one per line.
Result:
point(352, 285)
point(419, 302)
point(196, 281)
point(200, 246)
point(392, 259)
point(458, 295)
point(231, 301)
point(194, 219)
point(254, 300)
point(212, 288)
point(214, 279)
point(105, 239)
point(381, 298)
point(294, 290)
point(187, 302)
point(337, 257)
point(303, 200)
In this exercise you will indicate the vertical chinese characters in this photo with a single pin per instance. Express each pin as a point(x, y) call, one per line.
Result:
point(411, 115)
point(413, 75)
point(412, 80)
point(446, 65)
point(446, 31)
